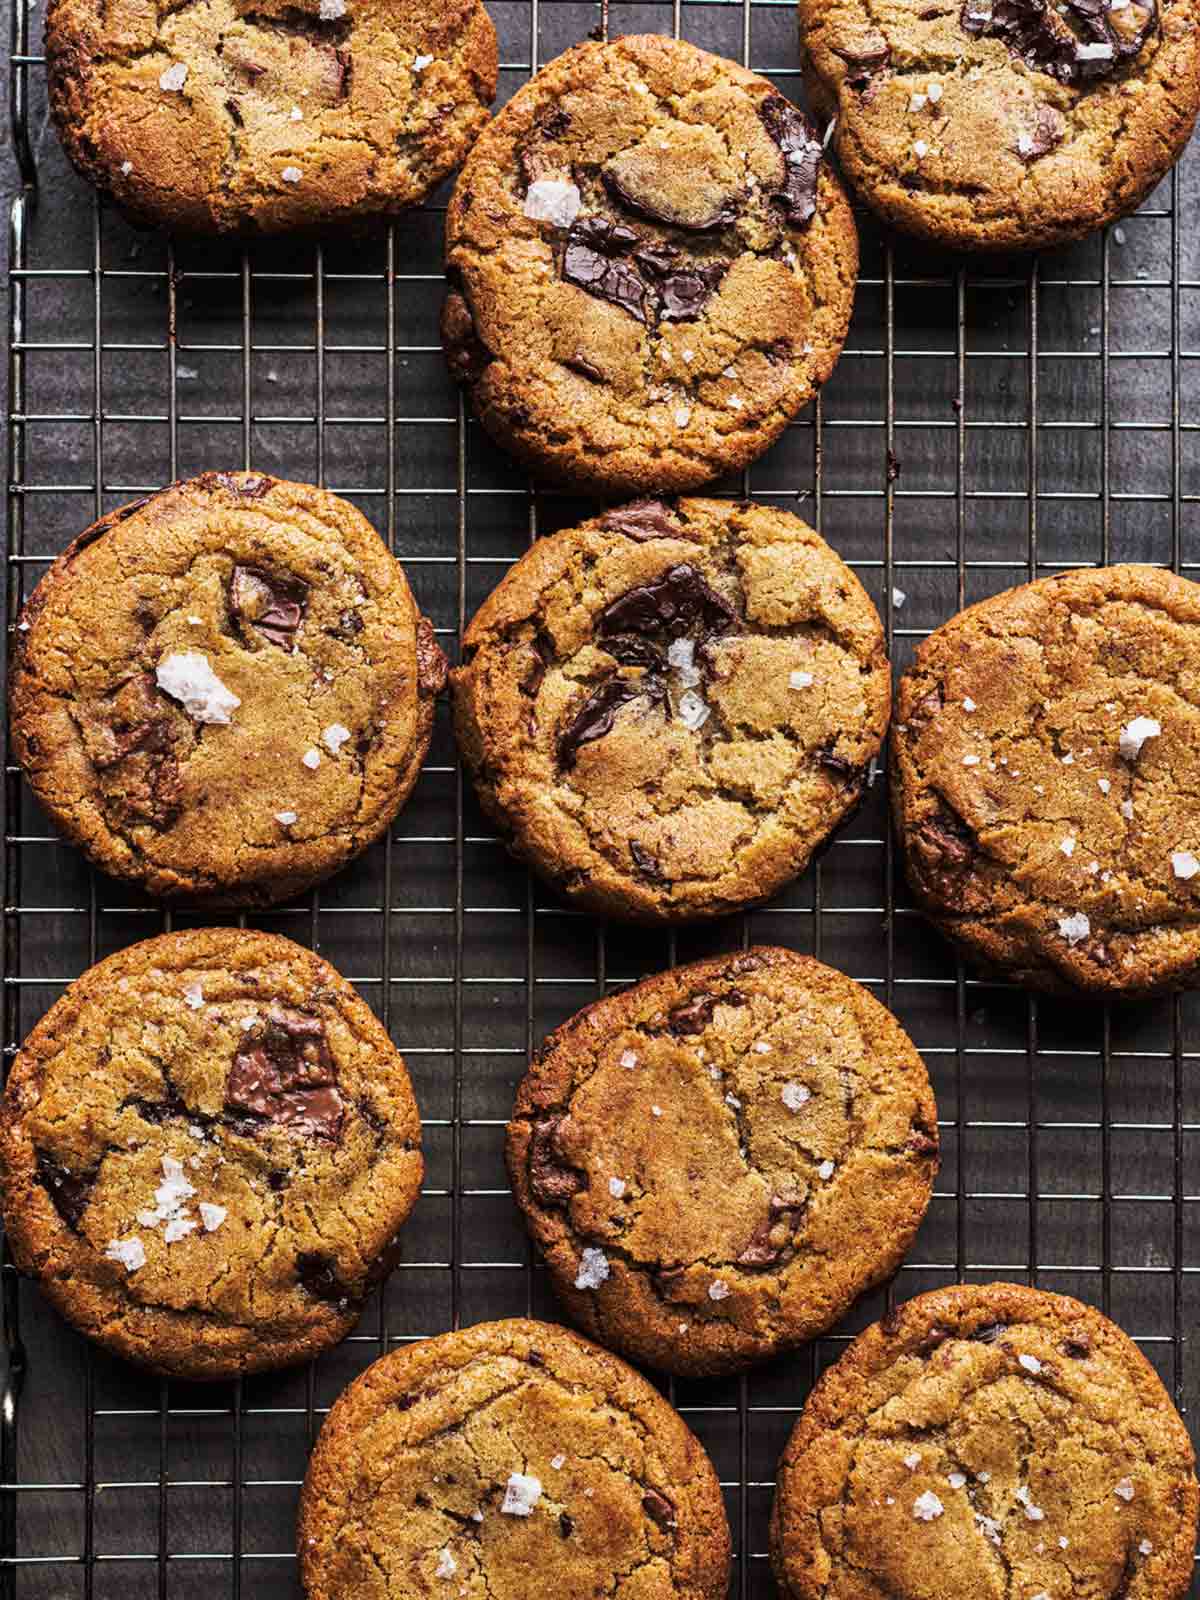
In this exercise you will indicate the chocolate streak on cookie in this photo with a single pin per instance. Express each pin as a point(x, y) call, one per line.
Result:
point(69, 1191)
point(284, 1074)
point(801, 151)
point(1074, 41)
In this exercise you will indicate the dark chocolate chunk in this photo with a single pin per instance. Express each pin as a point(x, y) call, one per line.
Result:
point(598, 712)
point(696, 1015)
point(990, 1332)
point(1045, 133)
point(272, 605)
point(944, 846)
point(1077, 1348)
point(659, 1509)
point(936, 1337)
point(801, 151)
point(136, 733)
point(594, 260)
point(677, 602)
point(683, 295)
point(284, 1074)
point(634, 650)
point(534, 160)
point(566, 1526)
point(864, 62)
point(69, 1191)
point(247, 487)
point(466, 354)
point(1075, 41)
point(834, 763)
point(724, 214)
point(317, 1273)
point(646, 864)
point(922, 1141)
point(552, 1181)
point(644, 520)
point(762, 1251)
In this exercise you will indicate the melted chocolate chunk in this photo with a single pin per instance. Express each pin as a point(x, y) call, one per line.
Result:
point(678, 602)
point(1075, 41)
point(944, 847)
point(696, 1015)
point(566, 1526)
point(318, 1274)
point(864, 63)
point(683, 295)
point(284, 1074)
point(990, 1332)
point(272, 605)
point(466, 354)
point(784, 1210)
point(598, 712)
point(69, 1191)
point(1078, 1349)
point(801, 151)
point(594, 259)
point(552, 1181)
point(632, 650)
point(646, 864)
point(644, 520)
point(835, 763)
point(1045, 133)
point(659, 1509)
point(936, 1337)
point(248, 488)
point(725, 213)
point(136, 734)
point(534, 160)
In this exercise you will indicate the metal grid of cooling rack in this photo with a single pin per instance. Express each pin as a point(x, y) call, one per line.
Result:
point(990, 421)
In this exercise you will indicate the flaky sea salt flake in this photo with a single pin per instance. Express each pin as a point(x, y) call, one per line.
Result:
point(553, 200)
point(795, 1095)
point(131, 1252)
point(927, 1506)
point(593, 1269)
point(1134, 735)
point(187, 677)
point(521, 1494)
point(174, 77)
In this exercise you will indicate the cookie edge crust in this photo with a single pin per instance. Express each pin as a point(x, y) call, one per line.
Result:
point(836, 1393)
point(661, 1347)
point(1011, 953)
point(708, 1557)
point(70, 89)
point(619, 474)
point(625, 899)
point(108, 851)
point(217, 1351)
point(896, 209)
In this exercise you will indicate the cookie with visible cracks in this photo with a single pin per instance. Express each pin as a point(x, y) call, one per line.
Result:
point(1004, 124)
point(669, 708)
point(208, 1147)
point(225, 691)
point(513, 1460)
point(1045, 780)
point(717, 1161)
point(987, 1440)
point(268, 116)
point(651, 268)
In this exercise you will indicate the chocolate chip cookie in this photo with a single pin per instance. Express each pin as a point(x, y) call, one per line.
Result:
point(651, 268)
point(512, 1460)
point(260, 116)
point(225, 691)
point(207, 1149)
point(990, 1441)
point(669, 708)
point(1004, 124)
point(719, 1160)
point(1046, 780)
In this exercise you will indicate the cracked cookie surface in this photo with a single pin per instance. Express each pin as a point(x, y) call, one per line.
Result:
point(651, 267)
point(260, 116)
point(1004, 124)
point(207, 1148)
point(225, 691)
point(668, 708)
point(992, 1441)
point(509, 1461)
point(717, 1161)
point(1046, 780)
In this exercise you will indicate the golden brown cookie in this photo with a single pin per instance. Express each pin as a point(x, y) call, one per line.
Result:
point(264, 117)
point(1004, 124)
point(1046, 780)
point(207, 1149)
point(225, 691)
point(988, 1441)
point(716, 1162)
point(651, 267)
point(510, 1461)
point(669, 708)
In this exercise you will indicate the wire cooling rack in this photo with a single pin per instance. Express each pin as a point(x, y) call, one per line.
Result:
point(990, 421)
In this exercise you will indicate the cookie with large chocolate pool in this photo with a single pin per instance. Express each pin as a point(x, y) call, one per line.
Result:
point(1046, 780)
point(669, 708)
point(990, 1441)
point(1004, 124)
point(651, 267)
point(208, 1147)
point(225, 691)
point(261, 116)
point(509, 1461)
point(719, 1160)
